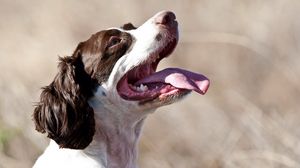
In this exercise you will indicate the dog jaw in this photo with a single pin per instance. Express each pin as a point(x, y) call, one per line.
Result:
point(152, 41)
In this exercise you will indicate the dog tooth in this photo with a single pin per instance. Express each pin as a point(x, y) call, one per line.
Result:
point(143, 87)
point(132, 86)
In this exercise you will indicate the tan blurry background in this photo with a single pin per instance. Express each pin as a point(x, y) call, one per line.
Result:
point(248, 48)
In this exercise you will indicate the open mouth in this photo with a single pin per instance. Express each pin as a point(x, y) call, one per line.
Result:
point(143, 83)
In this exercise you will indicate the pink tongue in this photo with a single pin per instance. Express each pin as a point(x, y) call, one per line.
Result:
point(178, 78)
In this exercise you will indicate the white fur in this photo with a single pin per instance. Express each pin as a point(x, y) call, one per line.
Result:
point(118, 122)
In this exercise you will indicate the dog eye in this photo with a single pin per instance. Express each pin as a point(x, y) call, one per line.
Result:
point(113, 40)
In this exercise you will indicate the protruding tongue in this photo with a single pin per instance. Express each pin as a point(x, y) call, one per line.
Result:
point(178, 78)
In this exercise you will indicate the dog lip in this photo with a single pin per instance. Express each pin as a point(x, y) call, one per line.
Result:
point(127, 88)
point(143, 83)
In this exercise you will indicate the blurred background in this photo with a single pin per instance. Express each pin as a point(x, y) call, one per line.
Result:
point(248, 48)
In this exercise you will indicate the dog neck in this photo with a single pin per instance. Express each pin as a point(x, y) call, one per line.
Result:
point(115, 143)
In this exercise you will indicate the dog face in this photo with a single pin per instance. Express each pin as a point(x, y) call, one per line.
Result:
point(151, 42)
point(114, 70)
point(134, 85)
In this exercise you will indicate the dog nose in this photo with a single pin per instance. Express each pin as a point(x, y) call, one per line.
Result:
point(165, 18)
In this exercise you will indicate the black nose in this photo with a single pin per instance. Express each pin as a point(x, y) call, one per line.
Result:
point(165, 18)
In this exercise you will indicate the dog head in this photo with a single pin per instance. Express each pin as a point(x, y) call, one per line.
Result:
point(114, 69)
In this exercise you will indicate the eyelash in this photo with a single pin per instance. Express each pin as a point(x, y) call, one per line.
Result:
point(113, 40)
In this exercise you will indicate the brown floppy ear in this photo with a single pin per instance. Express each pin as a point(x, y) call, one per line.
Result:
point(128, 26)
point(63, 111)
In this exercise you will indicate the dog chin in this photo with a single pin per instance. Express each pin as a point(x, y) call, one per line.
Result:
point(165, 99)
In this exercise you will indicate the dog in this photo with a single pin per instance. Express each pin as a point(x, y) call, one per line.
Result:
point(94, 109)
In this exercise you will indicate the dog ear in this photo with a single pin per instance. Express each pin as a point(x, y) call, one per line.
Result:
point(63, 111)
point(128, 26)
